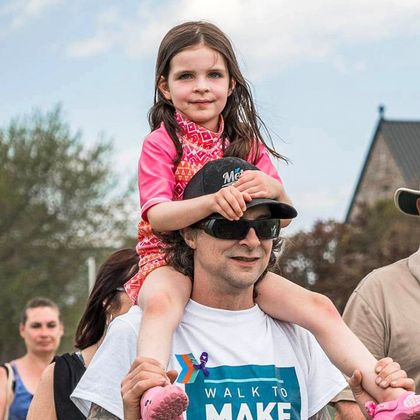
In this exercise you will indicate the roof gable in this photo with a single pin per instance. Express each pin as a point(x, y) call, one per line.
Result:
point(403, 141)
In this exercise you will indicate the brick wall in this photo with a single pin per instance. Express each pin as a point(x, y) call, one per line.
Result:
point(381, 177)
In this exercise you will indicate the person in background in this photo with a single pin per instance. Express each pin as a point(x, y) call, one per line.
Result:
point(384, 311)
point(106, 301)
point(41, 329)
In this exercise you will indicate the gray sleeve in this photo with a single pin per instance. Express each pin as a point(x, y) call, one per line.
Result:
point(101, 383)
point(364, 314)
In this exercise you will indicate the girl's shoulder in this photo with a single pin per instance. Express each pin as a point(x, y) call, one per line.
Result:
point(158, 133)
point(159, 141)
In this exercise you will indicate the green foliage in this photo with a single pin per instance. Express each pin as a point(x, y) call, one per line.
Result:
point(332, 258)
point(59, 204)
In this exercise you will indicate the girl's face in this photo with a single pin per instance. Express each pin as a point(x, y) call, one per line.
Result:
point(198, 85)
point(42, 330)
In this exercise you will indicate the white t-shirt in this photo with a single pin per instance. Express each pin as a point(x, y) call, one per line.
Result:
point(257, 368)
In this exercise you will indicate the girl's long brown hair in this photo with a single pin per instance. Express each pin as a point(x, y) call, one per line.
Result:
point(242, 123)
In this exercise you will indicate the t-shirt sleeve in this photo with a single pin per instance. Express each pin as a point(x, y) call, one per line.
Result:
point(265, 164)
point(156, 170)
point(324, 379)
point(364, 314)
point(101, 382)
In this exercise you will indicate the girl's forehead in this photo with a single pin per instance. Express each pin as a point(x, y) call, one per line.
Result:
point(199, 54)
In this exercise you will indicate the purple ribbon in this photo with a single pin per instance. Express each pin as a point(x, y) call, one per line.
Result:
point(202, 366)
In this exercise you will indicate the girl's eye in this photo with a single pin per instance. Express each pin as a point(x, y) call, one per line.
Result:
point(185, 76)
point(215, 75)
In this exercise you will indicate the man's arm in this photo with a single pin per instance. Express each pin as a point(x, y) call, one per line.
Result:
point(322, 414)
point(348, 410)
point(99, 413)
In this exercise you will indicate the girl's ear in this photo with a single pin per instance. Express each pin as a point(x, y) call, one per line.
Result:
point(189, 236)
point(232, 86)
point(164, 88)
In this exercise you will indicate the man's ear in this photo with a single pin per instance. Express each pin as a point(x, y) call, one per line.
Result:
point(164, 88)
point(189, 236)
point(418, 205)
point(232, 86)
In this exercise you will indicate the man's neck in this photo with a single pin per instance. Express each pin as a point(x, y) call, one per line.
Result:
point(233, 301)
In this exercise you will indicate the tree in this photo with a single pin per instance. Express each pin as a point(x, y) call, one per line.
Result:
point(59, 203)
point(332, 258)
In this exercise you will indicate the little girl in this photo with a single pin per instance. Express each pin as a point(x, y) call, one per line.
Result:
point(203, 110)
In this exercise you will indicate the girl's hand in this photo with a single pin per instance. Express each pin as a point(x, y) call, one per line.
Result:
point(230, 202)
point(260, 185)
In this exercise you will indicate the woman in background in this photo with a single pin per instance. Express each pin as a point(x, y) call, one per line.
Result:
point(41, 329)
point(106, 301)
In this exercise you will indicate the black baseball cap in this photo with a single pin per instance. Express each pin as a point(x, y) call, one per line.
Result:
point(223, 172)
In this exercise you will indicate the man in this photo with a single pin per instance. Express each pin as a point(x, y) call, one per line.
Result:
point(233, 360)
point(384, 311)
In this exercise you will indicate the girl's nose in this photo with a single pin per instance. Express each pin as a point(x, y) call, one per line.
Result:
point(201, 85)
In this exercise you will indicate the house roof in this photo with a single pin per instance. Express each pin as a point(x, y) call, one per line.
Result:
point(403, 141)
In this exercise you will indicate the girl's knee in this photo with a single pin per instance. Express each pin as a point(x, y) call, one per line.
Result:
point(160, 303)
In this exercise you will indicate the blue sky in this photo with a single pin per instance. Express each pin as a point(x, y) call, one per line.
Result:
point(319, 70)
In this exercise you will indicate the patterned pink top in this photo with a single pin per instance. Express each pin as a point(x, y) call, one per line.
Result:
point(160, 181)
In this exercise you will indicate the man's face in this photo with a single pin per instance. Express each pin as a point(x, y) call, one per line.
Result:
point(230, 267)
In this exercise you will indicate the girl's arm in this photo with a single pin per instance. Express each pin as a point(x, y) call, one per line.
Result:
point(175, 215)
point(43, 405)
point(270, 186)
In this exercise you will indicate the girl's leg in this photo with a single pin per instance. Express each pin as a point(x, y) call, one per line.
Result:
point(286, 301)
point(162, 298)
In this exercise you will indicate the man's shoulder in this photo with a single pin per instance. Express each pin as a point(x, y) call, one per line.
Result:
point(300, 339)
point(130, 321)
point(383, 276)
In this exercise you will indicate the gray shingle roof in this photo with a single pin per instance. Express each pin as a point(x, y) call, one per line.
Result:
point(403, 140)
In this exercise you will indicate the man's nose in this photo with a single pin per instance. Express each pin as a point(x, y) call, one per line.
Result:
point(251, 239)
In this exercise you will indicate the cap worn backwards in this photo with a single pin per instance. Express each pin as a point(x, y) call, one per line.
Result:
point(223, 172)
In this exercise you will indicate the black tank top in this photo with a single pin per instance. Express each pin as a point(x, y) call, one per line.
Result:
point(68, 370)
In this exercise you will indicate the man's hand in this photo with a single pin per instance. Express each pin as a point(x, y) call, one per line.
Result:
point(389, 374)
point(144, 373)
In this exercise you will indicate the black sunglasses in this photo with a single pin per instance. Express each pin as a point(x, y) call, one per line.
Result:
point(226, 229)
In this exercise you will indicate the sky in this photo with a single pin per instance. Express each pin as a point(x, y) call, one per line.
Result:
point(319, 69)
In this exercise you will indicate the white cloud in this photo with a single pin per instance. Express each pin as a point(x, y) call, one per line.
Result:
point(17, 13)
point(108, 34)
point(277, 32)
